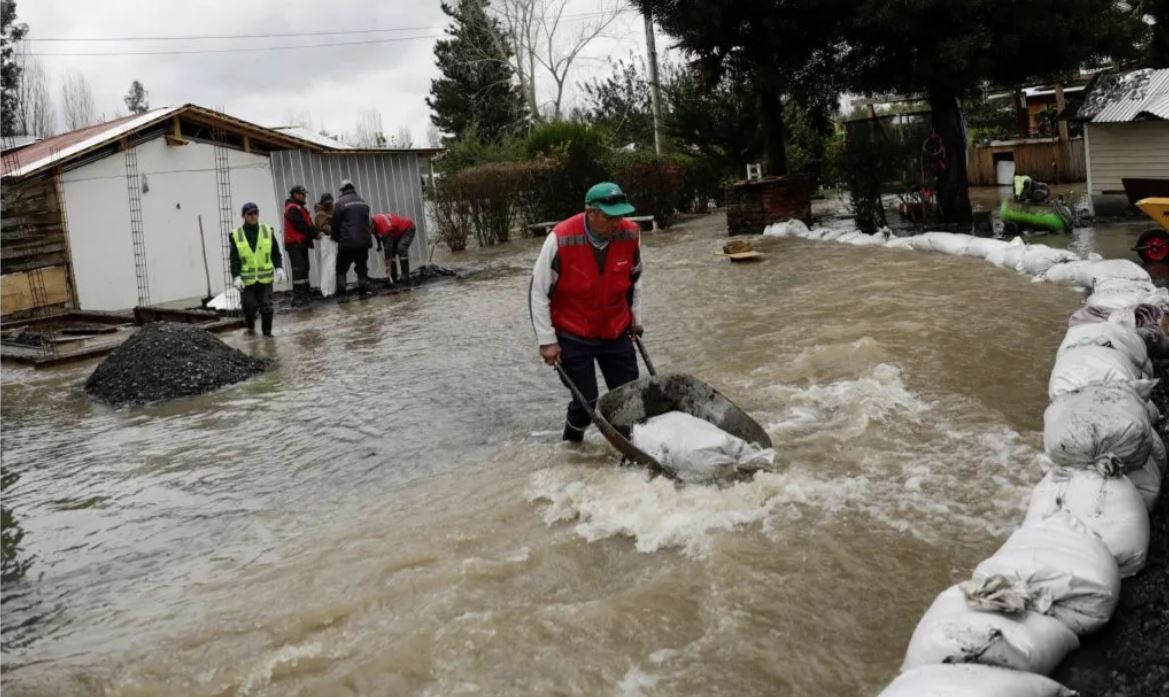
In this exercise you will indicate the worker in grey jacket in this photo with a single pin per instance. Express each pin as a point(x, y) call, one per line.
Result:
point(351, 229)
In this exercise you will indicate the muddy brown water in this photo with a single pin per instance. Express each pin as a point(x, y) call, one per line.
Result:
point(389, 512)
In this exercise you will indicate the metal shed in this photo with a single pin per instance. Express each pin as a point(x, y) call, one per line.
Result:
point(389, 180)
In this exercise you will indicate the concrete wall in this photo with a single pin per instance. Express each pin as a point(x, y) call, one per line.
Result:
point(177, 185)
point(1120, 150)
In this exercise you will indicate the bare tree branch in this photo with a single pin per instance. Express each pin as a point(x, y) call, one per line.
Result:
point(77, 108)
point(35, 113)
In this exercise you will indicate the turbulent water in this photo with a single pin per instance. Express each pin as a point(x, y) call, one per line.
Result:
point(390, 511)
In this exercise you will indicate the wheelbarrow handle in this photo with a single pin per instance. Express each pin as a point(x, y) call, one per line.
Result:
point(611, 434)
point(649, 365)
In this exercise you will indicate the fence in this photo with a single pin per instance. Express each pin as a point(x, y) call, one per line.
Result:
point(1044, 159)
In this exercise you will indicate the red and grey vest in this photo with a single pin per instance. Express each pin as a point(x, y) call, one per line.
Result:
point(586, 302)
point(291, 236)
point(393, 225)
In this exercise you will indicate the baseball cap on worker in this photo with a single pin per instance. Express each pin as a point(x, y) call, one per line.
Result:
point(609, 199)
point(250, 207)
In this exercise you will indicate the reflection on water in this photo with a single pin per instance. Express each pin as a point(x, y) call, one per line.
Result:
point(390, 512)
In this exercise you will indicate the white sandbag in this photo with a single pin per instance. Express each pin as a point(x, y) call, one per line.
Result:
point(1147, 481)
point(1068, 272)
point(1108, 504)
point(1039, 258)
point(227, 300)
point(1060, 568)
point(1113, 269)
point(696, 449)
point(983, 247)
point(860, 239)
point(834, 234)
point(1084, 365)
point(952, 632)
point(787, 228)
point(1113, 335)
point(951, 243)
point(899, 243)
point(1100, 423)
point(973, 680)
point(1008, 257)
point(922, 242)
point(1118, 294)
point(328, 250)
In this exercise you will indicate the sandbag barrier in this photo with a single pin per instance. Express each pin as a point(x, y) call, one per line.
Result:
point(1057, 577)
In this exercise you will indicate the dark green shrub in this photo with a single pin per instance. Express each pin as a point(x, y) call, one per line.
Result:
point(574, 156)
point(654, 184)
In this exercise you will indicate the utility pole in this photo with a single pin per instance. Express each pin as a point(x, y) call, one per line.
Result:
point(655, 87)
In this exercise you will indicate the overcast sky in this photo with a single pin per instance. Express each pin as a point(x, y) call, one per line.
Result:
point(332, 85)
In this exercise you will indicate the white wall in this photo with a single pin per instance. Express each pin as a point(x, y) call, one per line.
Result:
point(178, 185)
point(1118, 150)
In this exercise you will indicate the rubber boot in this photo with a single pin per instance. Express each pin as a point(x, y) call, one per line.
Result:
point(362, 286)
point(341, 282)
point(405, 262)
point(572, 434)
point(251, 322)
point(266, 323)
point(394, 275)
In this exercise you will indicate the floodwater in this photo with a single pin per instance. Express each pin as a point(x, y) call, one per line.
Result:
point(390, 511)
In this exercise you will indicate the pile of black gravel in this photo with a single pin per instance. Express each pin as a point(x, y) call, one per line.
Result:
point(1130, 656)
point(165, 360)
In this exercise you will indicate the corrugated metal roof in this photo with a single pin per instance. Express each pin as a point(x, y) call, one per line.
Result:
point(1128, 96)
point(306, 134)
point(46, 152)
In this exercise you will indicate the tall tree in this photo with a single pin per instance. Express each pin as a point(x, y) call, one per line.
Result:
point(1155, 13)
point(476, 85)
point(77, 108)
point(782, 46)
point(136, 98)
point(946, 49)
point(10, 33)
point(620, 102)
point(35, 115)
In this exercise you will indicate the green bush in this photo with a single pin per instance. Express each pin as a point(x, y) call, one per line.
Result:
point(451, 212)
point(703, 179)
point(654, 184)
point(574, 159)
point(488, 201)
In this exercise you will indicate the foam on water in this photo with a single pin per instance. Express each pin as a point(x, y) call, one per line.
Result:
point(868, 445)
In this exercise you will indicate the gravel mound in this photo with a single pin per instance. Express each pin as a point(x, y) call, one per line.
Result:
point(165, 360)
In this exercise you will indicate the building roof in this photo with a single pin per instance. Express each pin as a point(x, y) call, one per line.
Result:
point(1123, 97)
point(313, 137)
point(16, 142)
point(59, 150)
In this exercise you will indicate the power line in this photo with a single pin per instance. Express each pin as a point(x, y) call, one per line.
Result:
point(272, 35)
point(240, 49)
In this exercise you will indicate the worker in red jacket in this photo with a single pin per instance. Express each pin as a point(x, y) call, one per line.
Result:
point(585, 300)
point(395, 234)
point(299, 233)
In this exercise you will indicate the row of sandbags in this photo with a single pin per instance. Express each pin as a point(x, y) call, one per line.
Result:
point(1115, 283)
point(1057, 578)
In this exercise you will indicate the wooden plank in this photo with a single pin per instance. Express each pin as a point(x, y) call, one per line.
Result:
point(16, 292)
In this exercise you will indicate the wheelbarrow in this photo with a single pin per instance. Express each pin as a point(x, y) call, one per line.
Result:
point(1153, 244)
point(617, 411)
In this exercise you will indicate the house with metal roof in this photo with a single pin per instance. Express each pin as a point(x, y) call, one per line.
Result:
point(137, 211)
point(1126, 136)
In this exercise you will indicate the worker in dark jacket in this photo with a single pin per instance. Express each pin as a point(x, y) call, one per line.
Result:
point(256, 262)
point(395, 233)
point(299, 233)
point(351, 229)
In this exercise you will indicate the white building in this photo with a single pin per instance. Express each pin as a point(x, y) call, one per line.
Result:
point(1126, 135)
point(137, 211)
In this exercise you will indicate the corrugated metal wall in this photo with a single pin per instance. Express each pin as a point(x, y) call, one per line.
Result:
point(390, 183)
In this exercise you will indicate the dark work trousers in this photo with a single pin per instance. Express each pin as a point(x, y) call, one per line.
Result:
point(398, 256)
point(298, 257)
point(618, 363)
point(359, 259)
point(257, 298)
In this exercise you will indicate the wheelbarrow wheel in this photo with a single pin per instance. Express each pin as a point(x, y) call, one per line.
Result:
point(1153, 246)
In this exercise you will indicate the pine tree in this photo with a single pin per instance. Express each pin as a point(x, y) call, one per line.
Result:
point(136, 98)
point(10, 33)
point(476, 85)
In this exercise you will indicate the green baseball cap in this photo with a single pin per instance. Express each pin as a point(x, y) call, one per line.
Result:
point(609, 199)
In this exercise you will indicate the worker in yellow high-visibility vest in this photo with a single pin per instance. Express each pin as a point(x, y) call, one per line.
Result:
point(256, 262)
